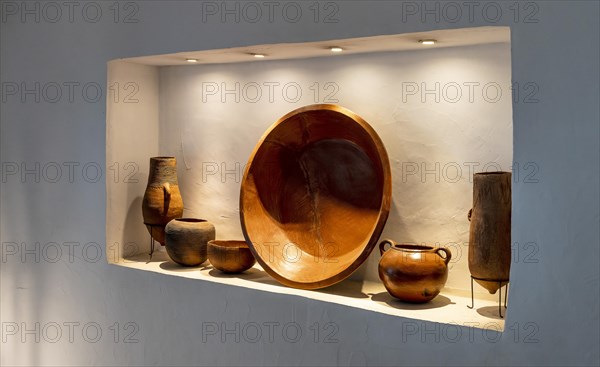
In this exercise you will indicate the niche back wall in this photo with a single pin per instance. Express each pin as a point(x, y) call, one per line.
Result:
point(441, 113)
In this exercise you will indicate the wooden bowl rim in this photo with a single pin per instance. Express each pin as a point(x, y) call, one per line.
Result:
point(228, 244)
point(383, 210)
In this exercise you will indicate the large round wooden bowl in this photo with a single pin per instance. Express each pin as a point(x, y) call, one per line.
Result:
point(315, 196)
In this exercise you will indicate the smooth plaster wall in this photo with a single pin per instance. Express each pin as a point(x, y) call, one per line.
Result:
point(556, 299)
point(211, 126)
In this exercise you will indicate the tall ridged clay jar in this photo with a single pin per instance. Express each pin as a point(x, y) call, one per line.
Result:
point(162, 199)
point(489, 236)
point(187, 240)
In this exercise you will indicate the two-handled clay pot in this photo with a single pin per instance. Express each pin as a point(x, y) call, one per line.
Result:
point(413, 273)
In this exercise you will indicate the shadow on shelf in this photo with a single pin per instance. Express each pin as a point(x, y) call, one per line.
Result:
point(345, 288)
point(253, 275)
point(157, 257)
point(491, 312)
point(173, 266)
point(384, 297)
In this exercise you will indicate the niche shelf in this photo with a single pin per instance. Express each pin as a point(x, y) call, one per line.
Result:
point(443, 111)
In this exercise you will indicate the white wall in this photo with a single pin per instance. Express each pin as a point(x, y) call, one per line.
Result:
point(132, 137)
point(212, 117)
point(556, 299)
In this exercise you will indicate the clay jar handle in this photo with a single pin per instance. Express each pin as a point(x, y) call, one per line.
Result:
point(446, 252)
point(167, 195)
point(382, 248)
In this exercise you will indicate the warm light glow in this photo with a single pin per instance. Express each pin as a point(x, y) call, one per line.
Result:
point(191, 60)
point(258, 56)
point(427, 42)
point(336, 49)
point(415, 256)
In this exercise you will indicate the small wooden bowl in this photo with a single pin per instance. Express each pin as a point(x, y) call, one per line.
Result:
point(230, 256)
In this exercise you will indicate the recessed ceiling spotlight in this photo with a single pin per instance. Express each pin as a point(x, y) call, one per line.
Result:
point(428, 42)
point(191, 60)
point(336, 49)
point(259, 56)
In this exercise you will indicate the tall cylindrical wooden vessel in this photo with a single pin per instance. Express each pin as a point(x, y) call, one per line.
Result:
point(489, 237)
point(162, 199)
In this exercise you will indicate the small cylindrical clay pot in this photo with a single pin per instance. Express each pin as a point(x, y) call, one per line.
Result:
point(187, 240)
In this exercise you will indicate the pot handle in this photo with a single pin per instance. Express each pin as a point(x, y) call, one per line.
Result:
point(167, 195)
point(382, 248)
point(447, 253)
point(470, 213)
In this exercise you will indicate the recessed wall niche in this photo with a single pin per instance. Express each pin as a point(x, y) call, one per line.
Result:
point(443, 111)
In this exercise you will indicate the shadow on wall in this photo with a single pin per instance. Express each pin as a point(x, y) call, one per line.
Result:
point(394, 229)
point(136, 240)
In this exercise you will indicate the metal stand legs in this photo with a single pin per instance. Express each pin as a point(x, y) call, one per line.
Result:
point(499, 293)
point(151, 241)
